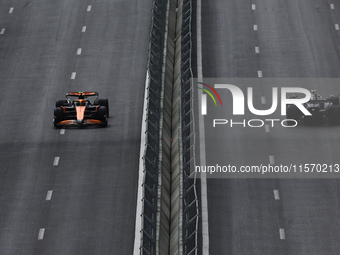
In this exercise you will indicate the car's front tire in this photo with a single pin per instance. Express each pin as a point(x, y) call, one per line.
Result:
point(102, 115)
point(103, 102)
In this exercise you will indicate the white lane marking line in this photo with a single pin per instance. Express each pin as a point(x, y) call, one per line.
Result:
point(263, 100)
point(2, 31)
point(83, 29)
point(138, 222)
point(259, 74)
point(253, 7)
point(276, 194)
point(271, 160)
point(79, 51)
point(41, 234)
point(49, 195)
point(255, 27)
point(89, 8)
point(56, 161)
point(257, 49)
point(336, 26)
point(11, 10)
point(332, 6)
point(62, 131)
point(204, 195)
point(267, 128)
point(282, 234)
point(73, 75)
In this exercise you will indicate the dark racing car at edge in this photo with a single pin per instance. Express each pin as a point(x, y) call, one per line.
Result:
point(78, 109)
point(324, 111)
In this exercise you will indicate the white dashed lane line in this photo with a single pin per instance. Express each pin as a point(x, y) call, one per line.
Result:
point(83, 29)
point(259, 74)
point(276, 194)
point(49, 195)
point(271, 160)
point(336, 26)
point(263, 100)
point(41, 234)
point(79, 51)
point(253, 7)
point(2, 31)
point(282, 234)
point(56, 161)
point(89, 8)
point(255, 27)
point(11, 10)
point(73, 75)
point(257, 49)
point(62, 131)
point(332, 6)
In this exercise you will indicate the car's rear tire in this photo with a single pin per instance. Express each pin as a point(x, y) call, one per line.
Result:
point(58, 116)
point(334, 115)
point(62, 102)
point(103, 102)
point(102, 115)
point(293, 113)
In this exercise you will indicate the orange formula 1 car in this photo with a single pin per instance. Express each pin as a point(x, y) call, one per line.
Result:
point(77, 109)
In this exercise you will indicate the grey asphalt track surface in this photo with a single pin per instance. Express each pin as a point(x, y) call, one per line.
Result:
point(296, 39)
point(92, 189)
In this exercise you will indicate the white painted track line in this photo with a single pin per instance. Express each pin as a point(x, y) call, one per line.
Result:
point(204, 196)
point(79, 51)
point(276, 194)
point(73, 75)
point(56, 161)
point(282, 233)
point(336, 26)
point(89, 8)
point(253, 7)
point(271, 160)
point(263, 100)
point(2, 31)
point(259, 73)
point(49, 195)
point(62, 131)
point(139, 206)
point(11, 10)
point(41, 234)
point(83, 29)
point(332, 6)
point(257, 49)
